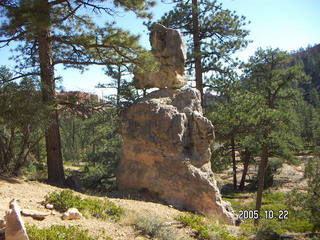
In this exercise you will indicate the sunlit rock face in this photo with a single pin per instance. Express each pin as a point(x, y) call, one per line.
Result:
point(170, 52)
point(166, 152)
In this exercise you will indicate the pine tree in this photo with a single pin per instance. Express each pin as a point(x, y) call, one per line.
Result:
point(55, 32)
point(270, 76)
point(233, 114)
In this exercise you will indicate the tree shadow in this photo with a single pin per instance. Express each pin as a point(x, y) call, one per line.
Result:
point(9, 179)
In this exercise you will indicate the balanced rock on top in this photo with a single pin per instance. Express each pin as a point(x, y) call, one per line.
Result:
point(169, 50)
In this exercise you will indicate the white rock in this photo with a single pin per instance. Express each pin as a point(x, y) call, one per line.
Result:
point(72, 214)
point(49, 206)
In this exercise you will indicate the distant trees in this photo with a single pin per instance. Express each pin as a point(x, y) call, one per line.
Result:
point(22, 116)
point(257, 114)
point(212, 33)
point(55, 32)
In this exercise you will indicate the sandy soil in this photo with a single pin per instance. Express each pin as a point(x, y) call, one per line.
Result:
point(31, 193)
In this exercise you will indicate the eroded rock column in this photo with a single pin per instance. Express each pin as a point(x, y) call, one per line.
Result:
point(166, 148)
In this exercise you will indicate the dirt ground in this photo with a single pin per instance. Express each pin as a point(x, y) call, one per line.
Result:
point(287, 178)
point(30, 195)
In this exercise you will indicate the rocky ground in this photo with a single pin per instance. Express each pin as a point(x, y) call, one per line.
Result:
point(31, 194)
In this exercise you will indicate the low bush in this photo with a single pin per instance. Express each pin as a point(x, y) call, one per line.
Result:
point(155, 227)
point(267, 231)
point(197, 223)
point(274, 197)
point(59, 232)
point(205, 229)
point(66, 199)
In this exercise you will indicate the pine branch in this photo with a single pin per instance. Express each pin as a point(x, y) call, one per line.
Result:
point(71, 62)
point(96, 8)
point(21, 76)
point(7, 41)
point(56, 2)
point(72, 12)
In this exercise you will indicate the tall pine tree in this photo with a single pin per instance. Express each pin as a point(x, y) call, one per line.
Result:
point(56, 32)
point(271, 77)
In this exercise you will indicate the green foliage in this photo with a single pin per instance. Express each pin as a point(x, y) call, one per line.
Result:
point(35, 171)
point(155, 227)
point(274, 197)
point(307, 205)
point(197, 223)
point(309, 58)
point(22, 117)
point(63, 200)
point(57, 232)
point(96, 142)
point(206, 229)
point(220, 158)
point(66, 199)
point(268, 230)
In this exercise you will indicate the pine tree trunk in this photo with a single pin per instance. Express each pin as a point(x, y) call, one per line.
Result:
point(197, 47)
point(234, 163)
point(246, 162)
point(261, 176)
point(52, 133)
point(118, 86)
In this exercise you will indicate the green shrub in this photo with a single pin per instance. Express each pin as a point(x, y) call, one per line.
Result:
point(154, 227)
point(275, 197)
point(63, 200)
point(66, 199)
point(206, 230)
point(35, 171)
point(267, 232)
point(100, 178)
point(58, 232)
point(197, 223)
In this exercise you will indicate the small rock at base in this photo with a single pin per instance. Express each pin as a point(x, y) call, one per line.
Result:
point(49, 206)
point(72, 214)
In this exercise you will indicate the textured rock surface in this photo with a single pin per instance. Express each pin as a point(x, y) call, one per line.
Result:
point(169, 50)
point(166, 152)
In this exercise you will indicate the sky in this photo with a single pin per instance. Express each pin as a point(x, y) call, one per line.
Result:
point(285, 24)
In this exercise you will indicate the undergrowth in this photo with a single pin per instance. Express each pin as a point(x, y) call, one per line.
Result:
point(155, 228)
point(66, 199)
point(205, 229)
point(58, 232)
point(297, 221)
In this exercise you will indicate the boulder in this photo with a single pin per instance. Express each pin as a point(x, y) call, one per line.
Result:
point(166, 152)
point(72, 214)
point(35, 214)
point(15, 229)
point(49, 206)
point(170, 52)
